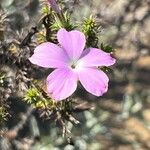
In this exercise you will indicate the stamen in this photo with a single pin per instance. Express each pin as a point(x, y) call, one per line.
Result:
point(73, 66)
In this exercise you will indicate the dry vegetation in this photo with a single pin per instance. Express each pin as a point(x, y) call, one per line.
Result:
point(121, 118)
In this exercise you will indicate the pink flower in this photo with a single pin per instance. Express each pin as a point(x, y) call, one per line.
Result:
point(72, 64)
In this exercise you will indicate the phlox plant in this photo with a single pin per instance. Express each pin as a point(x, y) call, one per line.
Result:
point(72, 63)
point(72, 51)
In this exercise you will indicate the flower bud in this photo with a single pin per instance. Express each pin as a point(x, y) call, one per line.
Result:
point(54, 6)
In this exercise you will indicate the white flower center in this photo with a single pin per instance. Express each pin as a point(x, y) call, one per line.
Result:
point(75, 65)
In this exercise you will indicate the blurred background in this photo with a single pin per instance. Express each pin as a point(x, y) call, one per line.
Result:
point(119, 120)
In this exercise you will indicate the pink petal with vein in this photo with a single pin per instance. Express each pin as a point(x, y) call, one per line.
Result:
point(61, 83)
point(94, 81)
point(73, 42)
point(49, 55)
point(95, 57)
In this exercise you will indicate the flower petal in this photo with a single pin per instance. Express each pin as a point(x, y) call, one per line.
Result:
point(73, 42)
point(95, 57)
point(49, 55)
point(94, 81)
point(61, 83)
